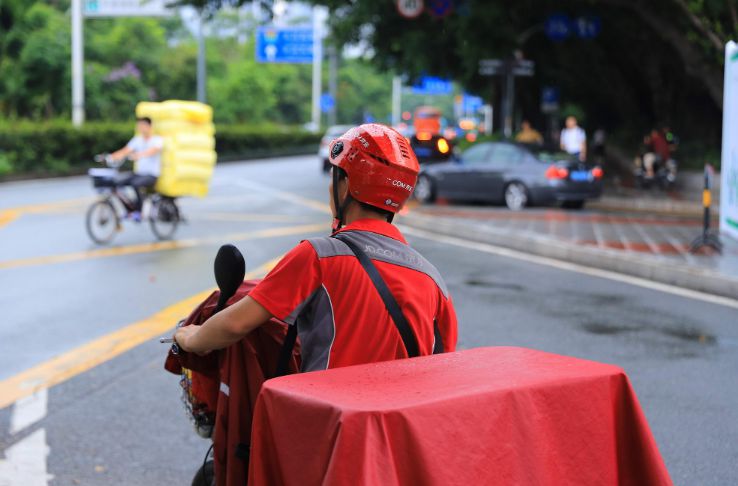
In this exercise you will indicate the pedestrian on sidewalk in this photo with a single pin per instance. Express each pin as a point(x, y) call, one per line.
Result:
point(573, 139)
point(528, 134)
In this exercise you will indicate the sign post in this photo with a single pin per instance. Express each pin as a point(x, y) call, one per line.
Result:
point(729, 166)
point(78, 80)
point(510, 69)
point(101, 8)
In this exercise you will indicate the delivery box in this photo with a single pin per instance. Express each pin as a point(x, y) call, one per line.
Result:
point(189, 157)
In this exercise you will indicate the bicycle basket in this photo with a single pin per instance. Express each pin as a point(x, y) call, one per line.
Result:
point(103, 177)
point(201, 413)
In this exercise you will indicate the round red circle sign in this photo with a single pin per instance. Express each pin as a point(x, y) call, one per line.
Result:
point(410, 8)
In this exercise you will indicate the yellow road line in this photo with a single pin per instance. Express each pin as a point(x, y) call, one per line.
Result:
point(7, 217)
point(226, 216)
point(105, 348)
point(159, 246)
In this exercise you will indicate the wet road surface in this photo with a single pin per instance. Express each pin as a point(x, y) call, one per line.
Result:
point(80, 322)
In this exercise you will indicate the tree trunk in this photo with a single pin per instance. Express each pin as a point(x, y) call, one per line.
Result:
point(693, 61)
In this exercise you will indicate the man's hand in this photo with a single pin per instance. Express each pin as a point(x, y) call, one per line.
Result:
point(186, 339)
point(134, 156)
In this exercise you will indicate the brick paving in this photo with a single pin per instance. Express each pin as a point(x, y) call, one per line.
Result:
point(665, 237)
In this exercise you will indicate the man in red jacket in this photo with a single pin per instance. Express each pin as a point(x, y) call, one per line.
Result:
point(344, 310)
point(321, 287)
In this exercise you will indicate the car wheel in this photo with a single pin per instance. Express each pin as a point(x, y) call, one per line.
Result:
point(516, 196)
point(425, 189)
point(572, 204)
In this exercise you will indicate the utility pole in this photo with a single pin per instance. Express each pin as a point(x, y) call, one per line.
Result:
point(78, 81)
point(201, 74)
point(333, 82)
point(396, 100)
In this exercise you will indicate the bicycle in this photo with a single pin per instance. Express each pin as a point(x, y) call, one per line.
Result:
point(105, 216)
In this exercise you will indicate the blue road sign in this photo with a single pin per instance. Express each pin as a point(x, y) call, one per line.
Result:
point(558, 27)
point(471, 104)
point(588, 27)
point(440, 8)
point(550, 99)
point(429, 85)
point(286, 45)
point(326, 102)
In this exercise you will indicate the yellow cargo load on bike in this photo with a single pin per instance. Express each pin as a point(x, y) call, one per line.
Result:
point(188, 158)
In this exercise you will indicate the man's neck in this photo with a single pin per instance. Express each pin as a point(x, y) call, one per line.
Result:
point(355, 212)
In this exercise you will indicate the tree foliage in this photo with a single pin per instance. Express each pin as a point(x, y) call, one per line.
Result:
point(654, 61)
point(128, 60)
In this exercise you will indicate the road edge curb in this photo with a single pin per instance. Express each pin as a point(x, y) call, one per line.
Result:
point(684, 276)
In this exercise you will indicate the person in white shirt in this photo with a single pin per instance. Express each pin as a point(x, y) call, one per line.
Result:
point(573, 139)
point(145, 149)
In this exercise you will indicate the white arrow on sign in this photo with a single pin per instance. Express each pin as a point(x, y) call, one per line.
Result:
point(270, 51)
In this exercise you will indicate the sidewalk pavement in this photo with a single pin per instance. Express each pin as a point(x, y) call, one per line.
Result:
point(654, 247)
point(655, 201)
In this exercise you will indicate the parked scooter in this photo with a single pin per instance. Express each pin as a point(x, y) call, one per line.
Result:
point(663, 173)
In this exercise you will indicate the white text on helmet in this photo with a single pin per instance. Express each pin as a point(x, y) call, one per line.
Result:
point(403, 185)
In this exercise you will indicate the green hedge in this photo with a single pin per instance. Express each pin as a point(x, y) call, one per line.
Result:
point(57, 148)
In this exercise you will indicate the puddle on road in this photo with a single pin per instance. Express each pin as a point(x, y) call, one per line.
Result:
point(477, 282)
point(683, 334)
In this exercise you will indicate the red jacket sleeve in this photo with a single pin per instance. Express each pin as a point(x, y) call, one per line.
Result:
point(447, 324)
point(290, 284)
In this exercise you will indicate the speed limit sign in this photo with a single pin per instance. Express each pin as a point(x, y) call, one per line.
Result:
point(410, 8)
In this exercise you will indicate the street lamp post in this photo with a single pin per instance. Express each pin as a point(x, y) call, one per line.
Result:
point(78, 82)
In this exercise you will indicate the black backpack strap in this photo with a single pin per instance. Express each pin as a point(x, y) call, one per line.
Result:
point(438, 339)
point(406, 332)
point(286, 353)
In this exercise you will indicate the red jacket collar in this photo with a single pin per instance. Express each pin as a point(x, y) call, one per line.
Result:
point(375, 226)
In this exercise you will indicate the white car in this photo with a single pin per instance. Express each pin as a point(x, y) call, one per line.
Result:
point(331, 134)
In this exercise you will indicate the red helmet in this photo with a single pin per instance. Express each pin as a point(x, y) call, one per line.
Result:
point(381, 167)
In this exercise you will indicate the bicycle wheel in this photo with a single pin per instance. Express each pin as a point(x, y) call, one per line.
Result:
point(102, 221)
point(164, 217)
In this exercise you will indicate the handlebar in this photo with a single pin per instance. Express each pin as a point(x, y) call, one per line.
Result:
point(108, 160)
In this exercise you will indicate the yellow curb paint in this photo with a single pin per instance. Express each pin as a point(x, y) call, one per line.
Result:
point(159, 246)
point(105, 348)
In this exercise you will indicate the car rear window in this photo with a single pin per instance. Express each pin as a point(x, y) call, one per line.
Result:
point(550, 157)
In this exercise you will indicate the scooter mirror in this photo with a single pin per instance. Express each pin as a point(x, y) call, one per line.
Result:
point(230, 269)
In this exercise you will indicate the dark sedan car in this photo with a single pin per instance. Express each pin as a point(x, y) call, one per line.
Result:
point(518, 175)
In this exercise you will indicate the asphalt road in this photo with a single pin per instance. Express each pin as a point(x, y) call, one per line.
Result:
point(67, 306)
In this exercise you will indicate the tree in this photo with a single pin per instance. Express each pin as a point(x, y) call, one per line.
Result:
point(655, 61)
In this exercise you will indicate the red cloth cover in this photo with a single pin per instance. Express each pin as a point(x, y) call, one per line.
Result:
point(228, 382)
point(507, 416)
